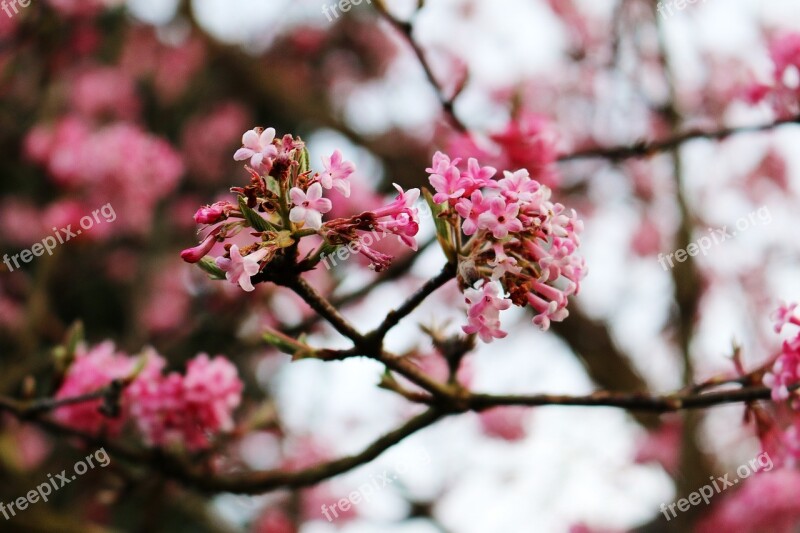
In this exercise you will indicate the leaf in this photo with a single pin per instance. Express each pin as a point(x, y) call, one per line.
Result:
point(255, 220)
point(305, 161)
point(298, 350)
point(443, 233)
point(64, 354)
point(273, 185)
point(211, 268)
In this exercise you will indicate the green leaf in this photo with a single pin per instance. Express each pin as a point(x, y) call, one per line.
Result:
point(305, 160)
point(443, 233)
point(298, 350)
point(273, 185)
point(65, 353)
point(211, 268)
point(256, 221)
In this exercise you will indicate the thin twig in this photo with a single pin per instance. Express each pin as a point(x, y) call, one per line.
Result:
point(396, 315)
point(324, 308)
point(406, 29)
point(642, 149)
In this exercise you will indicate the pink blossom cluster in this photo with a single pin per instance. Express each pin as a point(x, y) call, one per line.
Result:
point(171, 409)
point(785, 370)
point(119, 163)
point(102, 92)
point(783, 91)
point(765, 502)
point(528, 141)
point(79, 8)
point(170, 67)
point(521, 248)
point(207, 137)
point(285, 202)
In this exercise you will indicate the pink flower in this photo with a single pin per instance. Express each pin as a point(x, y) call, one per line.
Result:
point(479, 176)
point(549, 310)
point(470, 210)
point(309, 206)
point(207, 137)
point(785, 53)
point(518, 186)
point(238, 269)
point(502, 263)
point(258, 148)
point(785, 371)
point(483, 315)
point(400, 216)
point(446, 178)
point(92, 370)
point(528, 142)
point(506, 422)
point(785, 314)
point(766, 501)
point(336, 173)
point(105, 91)
point(194, 255)
point(209, 214)
point(501, 218)
point(188, 410)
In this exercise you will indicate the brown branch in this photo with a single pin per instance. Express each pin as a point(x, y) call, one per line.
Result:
point(406, 30)
point(642, 148)
point(395, 271)
point(324, 308)
point(28, 409)
point(396, 315)
point(630, 402)
point(259, 482)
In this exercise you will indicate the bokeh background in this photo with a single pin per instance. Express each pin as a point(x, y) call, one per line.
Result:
point(141, 104)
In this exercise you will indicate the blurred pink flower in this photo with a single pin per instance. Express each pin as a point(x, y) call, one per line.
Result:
point(764, 502)
point(92, 370)
point(504, 422)
point(105, 92)
point(274, 520)
point(187, 410)
point(661, 446)
point(207, 138)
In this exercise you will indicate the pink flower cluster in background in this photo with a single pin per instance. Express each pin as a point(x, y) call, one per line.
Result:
point(167, 409)
point(782, 93)
point(119, 163)
point(786, 369)
point(767, 502)
point(527, 141)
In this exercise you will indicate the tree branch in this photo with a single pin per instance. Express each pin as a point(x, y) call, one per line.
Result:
point(642, 148)
point(406, 29)
point(324, 308)
point(395, 316)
